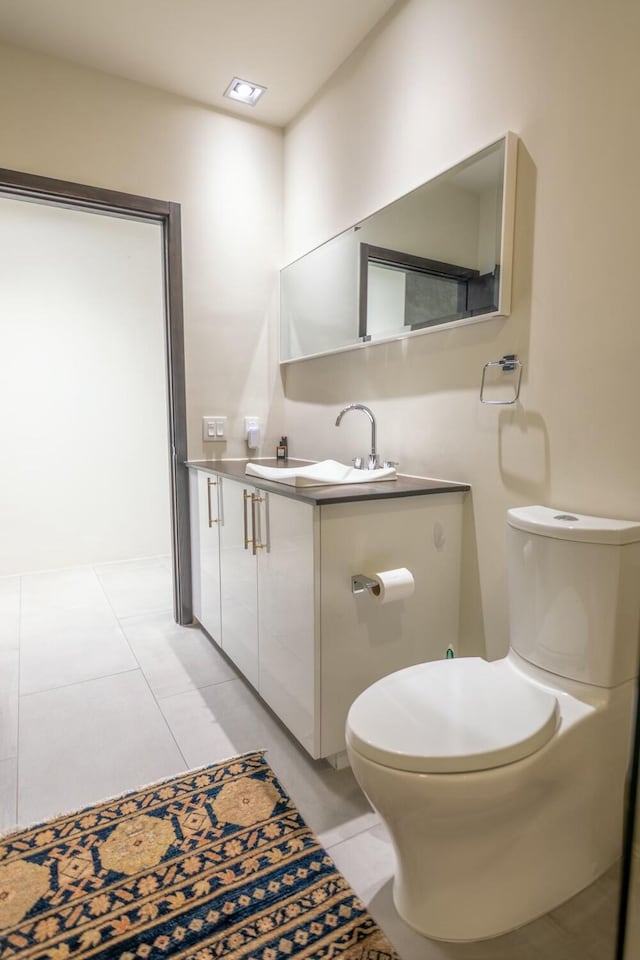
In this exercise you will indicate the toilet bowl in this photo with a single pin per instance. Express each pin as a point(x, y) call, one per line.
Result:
point(502, 783)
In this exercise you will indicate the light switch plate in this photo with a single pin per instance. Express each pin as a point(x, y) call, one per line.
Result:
point(214, 429)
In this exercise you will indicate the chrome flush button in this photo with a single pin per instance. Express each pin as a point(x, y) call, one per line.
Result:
point(565, 516)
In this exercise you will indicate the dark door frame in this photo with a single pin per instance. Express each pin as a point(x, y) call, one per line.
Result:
point(99, 200)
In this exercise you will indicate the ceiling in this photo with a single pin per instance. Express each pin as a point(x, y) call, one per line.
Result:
point(195, 47)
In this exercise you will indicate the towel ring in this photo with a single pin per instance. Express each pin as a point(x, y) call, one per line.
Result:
point(508, 363)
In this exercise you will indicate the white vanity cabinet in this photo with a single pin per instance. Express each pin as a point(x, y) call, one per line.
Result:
point(289, 619)
point(205, 551)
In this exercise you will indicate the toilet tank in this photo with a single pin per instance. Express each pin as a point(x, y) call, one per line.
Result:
point(574, 593)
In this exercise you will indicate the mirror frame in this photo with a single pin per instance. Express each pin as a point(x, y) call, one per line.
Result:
point(506, 255)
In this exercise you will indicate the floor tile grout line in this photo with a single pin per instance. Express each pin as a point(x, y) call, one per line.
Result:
point(141, 669)
point(129, 616)
point(110, 611)
point(145, 613)
point(156, 698)
point(207, 686)
point(114, 563)
point(77, 683)
point(164, 719)
point(83, 566)
point(350, 836)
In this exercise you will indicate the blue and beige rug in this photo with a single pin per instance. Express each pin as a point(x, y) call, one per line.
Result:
point(214, 863)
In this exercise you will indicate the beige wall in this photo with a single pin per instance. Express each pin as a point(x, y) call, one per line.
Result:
point(440, 80)
point(63, 121)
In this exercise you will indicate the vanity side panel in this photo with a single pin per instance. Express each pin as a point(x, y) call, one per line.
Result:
point(362, 639)
point(209, 603)
point(194, 521)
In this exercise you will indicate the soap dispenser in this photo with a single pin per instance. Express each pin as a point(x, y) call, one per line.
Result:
point(282, 450)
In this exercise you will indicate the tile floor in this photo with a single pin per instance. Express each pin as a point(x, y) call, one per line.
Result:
point(101, 692)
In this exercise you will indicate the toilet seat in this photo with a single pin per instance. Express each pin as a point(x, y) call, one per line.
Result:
point(452, 716)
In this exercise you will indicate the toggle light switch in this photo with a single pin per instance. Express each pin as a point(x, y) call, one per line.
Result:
point(214, 429)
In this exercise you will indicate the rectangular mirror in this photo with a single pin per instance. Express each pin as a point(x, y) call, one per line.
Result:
point(437, 257)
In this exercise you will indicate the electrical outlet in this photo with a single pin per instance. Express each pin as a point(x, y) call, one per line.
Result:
point(214, 429)
point(252, 432)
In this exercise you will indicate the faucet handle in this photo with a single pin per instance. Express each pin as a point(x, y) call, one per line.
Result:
point(357, 463)
point(391, 463)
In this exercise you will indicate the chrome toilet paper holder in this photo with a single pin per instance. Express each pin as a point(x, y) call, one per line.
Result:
point(360, 582)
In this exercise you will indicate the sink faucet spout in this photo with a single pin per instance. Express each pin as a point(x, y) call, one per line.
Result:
point(373, 461)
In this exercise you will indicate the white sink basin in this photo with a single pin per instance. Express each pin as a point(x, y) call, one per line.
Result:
point(317, 474)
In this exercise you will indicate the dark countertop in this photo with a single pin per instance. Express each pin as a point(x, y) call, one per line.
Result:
point(328, 493)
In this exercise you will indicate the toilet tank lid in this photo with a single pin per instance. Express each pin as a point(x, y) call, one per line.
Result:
point(566, 525)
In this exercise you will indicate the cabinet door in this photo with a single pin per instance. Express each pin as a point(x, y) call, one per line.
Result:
point(205, 551)
point(286, 604)
point(238, 578)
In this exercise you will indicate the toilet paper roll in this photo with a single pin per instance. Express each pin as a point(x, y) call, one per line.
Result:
point(393, 585)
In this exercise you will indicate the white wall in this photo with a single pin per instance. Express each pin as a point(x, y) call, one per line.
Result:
point(82, 388)
point(440, 80)
point(60, 120)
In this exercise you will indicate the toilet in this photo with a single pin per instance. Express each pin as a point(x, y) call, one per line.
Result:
point(502, 783)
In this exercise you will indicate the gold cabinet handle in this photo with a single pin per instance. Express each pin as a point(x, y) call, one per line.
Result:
point(246, 496)
point(255, 499)
point(210, 483)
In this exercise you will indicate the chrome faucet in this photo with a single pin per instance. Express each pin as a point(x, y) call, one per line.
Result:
point(373, 461)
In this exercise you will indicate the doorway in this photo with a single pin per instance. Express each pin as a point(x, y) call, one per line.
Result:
point(90, 383)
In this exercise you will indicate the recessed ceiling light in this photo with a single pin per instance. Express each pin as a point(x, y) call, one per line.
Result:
point(245, 91)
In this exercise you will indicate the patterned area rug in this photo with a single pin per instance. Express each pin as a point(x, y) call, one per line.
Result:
point(214, 863)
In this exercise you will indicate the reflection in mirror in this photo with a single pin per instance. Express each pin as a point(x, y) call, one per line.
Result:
point(401, 292)
point(439, 255)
